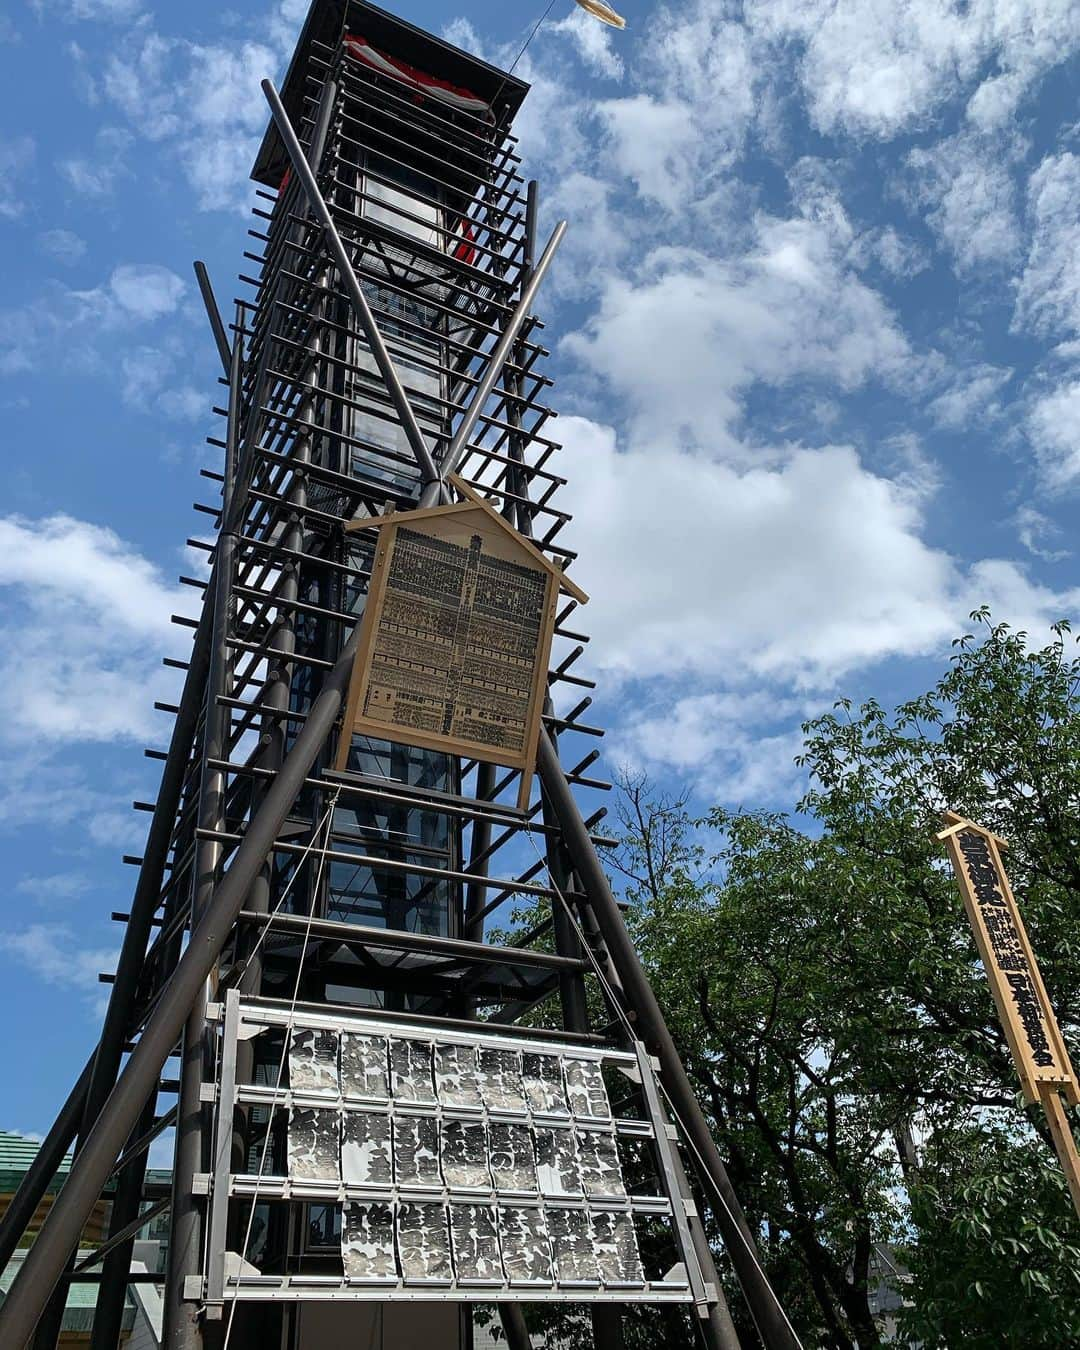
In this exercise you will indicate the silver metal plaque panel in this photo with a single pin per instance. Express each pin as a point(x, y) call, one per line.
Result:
point(500, 1080)
point(513, 1163)
point(557, 1167)
point(313, 1144)
point(313, 1062)
point(526, 1251)
point(572, 1244)
point(410, 1071)
point(456, 1076)
point(542, 1079)
point(365, 1149)
point(367, 1242)
point(585, 1088)
point(364, 1072)
point(416, 1151)
point(423, 1242)
point(465, 1155)
point(475, 1241)
point(616, 1245)
point(598, 1156)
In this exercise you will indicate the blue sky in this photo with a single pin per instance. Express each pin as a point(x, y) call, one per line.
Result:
point(816, 333)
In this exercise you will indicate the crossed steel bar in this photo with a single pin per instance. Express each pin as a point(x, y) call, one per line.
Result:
point(433, 477)
point(114, 1121)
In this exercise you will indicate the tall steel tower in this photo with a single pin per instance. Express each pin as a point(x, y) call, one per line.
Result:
point(389, 1108)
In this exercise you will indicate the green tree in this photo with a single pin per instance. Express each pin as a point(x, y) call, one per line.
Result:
point(821, 979)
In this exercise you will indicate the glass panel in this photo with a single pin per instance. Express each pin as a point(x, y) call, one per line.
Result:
point(402, 901)
point(407, 202)
point(324, 1227)
point(402, 211)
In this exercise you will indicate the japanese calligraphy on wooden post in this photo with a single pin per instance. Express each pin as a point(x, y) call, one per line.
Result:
point(456, 635)
point(1027, 1018)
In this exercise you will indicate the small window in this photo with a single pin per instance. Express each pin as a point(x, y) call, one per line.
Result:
point(404, 200)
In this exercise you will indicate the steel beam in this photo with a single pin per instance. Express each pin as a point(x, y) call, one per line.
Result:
point(185, 1237)
point(773, 1326)
point(357, 298)
point(124, 1223)
point(498, 358)
point(217, 327)
point(44, 1264)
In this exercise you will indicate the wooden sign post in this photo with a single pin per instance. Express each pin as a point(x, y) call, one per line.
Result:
point(455, 636)
point(1019, 993)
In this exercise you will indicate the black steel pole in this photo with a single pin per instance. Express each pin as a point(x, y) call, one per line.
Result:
point(775, 1329)
point(44, 1264)
point(717, 1330)
point(181, 1327)
point(116, 1268)
point(119, 1015)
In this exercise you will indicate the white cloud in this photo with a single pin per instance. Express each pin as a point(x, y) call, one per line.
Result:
point(63, 245)
point(202, 99)
point(995, 101)
point(118, 11)
point(586, 255)
point(58, 888)
point(796, 572)
point(697, 80)
point(1048, 299)
point(86, 623)
point(966, 183)
point(1053, 426)
point(654, 143)
point(815, 186)
point(145, 291)
point(595, 44)
point(67, 328)
point(17, 154)
point(898, 255)
point(95, 177)
point(1037, 532)
point(879, 67)
point(680, 345)
point(973, 397)
point(59, 956)
point(151, 385)
point(725, 741)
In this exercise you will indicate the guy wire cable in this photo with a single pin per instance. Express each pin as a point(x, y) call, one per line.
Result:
point(632, 1032)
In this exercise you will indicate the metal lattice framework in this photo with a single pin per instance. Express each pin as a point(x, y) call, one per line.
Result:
point(390, 342)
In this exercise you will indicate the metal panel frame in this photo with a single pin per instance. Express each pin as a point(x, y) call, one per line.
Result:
point(241, 1019)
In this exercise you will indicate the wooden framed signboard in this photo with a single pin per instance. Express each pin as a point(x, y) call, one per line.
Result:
point(455, 636)
point(1023, 1006)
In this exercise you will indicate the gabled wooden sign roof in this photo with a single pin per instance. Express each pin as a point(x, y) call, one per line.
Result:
point(474, 502)
point(455, 636)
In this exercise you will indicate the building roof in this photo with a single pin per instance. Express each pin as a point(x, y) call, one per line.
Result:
point(327, 20)
point(81, 1299)
point(18, 1151)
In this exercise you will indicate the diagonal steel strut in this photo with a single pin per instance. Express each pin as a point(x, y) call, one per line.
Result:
point(59, 1234)
point(428, 471)
point(496, 361)
point(772, 1322)
point(433, 477)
